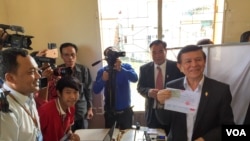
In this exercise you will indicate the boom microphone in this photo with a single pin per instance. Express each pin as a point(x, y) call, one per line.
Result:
point(97, 62)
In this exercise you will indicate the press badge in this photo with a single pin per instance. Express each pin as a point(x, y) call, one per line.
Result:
point(65, 137)
point(39, 136)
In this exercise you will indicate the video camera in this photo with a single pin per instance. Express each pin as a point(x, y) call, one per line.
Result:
point(49, 56)
point(111, 54)
point(4, 104)
point(14, 40)
point(49, 60)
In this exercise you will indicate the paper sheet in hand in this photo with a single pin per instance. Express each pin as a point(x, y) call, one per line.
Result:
point(183, 101)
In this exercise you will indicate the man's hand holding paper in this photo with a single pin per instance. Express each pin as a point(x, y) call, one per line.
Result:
point(179, 100)
point(163, 95)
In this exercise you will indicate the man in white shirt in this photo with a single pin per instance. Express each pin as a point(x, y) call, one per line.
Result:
point(21, 78)
point(214, 108)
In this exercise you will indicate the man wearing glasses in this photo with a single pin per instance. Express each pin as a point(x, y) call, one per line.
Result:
point(84, 111)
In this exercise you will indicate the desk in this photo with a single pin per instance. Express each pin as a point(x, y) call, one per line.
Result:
point(125, 135)
point(138, 135)
point(95, 134)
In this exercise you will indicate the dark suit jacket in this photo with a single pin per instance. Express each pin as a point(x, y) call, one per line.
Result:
point(214, 110)
point(146, 82)
point(247, 118)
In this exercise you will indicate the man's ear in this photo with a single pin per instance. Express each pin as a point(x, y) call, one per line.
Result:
point(9, 77)
point(179, 67)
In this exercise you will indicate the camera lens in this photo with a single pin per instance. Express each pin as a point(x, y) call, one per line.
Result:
point(62, 71)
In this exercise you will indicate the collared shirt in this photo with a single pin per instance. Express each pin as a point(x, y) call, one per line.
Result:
point(191, 117)
point(85, 99)
point(18, 125)
point(60, 110)
point(163, 70)
point(54, 123)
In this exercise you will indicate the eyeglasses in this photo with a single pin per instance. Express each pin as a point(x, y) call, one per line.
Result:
point(69, 55)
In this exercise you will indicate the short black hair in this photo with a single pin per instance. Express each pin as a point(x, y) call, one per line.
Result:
point(189, 48)
point(68, 81)
point(8, 60)
point(64, 45)
point(204, 42)
point(158, 42)
point(245, 36)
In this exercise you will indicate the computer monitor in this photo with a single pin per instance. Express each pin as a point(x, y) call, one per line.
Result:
point(109, 135)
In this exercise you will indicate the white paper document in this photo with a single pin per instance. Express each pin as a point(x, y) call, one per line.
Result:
point(183, 101)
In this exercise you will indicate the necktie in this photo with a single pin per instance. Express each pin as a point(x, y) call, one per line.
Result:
point(158, 85)
point(159, 79)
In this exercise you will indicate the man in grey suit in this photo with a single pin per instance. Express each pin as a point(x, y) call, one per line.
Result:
point(147, 79)
point(214, 109)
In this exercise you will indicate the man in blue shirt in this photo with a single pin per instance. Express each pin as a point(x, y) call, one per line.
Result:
point(115, 78)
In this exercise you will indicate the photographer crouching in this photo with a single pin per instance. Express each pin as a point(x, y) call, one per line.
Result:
point(115, 78)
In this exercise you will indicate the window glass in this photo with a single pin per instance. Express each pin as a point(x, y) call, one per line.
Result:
point(131, 25)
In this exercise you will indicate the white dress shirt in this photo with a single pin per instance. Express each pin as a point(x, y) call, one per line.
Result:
point(18, 125)
point(192, 116)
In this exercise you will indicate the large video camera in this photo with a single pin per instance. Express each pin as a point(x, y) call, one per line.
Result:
point(49, 56)
point(16, 39)
point(111, 54)
point(49, 60)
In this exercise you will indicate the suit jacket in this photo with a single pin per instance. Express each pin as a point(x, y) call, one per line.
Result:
point(247, 118)
point(214, 110)
point(146, 81)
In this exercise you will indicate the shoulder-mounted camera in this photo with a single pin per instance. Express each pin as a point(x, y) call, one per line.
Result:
point(16, 39)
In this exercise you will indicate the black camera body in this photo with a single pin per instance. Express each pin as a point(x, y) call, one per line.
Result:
point(15, 40)
point(62, 71)
point(111, 55)
point(4, 104)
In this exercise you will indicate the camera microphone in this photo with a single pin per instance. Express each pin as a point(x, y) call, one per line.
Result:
point(97, 62)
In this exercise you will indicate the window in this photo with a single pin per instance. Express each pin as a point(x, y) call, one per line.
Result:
point(131, 25)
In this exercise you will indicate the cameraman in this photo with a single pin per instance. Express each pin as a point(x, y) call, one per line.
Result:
point(84, 111)
point(121, 111)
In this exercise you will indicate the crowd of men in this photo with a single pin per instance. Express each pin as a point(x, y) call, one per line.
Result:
point(64, 105)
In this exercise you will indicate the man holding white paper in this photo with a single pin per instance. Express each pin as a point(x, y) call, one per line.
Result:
point(184, 101)
point(213, 99)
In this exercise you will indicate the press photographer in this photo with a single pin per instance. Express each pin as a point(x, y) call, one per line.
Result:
point(115, 79)
point(46, 60)
point(16, 39)
point(111, 54)
point(68, 52)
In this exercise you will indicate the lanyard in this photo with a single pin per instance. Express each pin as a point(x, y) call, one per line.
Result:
point(25, 109)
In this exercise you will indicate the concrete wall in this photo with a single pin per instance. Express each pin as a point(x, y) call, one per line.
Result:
point(236, 20)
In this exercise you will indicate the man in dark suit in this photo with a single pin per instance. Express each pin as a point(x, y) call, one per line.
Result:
point(147, 79)
point(214, 107)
